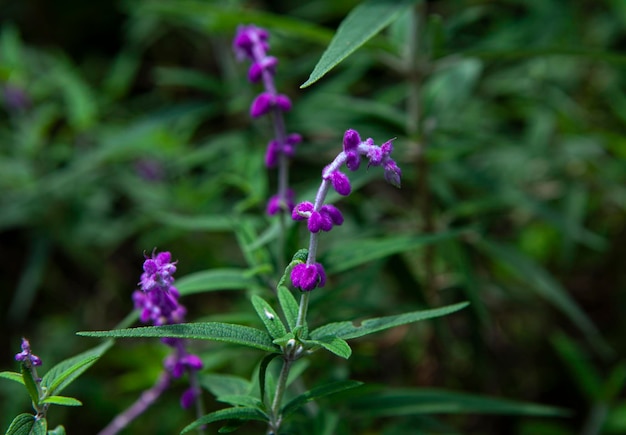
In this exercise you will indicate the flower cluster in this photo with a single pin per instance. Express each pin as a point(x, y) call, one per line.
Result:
point(27, 356)
point(322, 217)
point(158, 302)
point(251, 43)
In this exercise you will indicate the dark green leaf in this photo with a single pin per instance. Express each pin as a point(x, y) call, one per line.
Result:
point(317, 393)
point(63, 401)
point(227, 414)
point(65, 372)
point(362, 23)
point(582, 372)
point(242, 400)
point(546, 286)
point(434, 401)
point(13, 376)
point(223, 385)
point(268, 316)
point(22, 425)
point(215, 331)
point(350, 254)
point(263, 372)
point(214, 280)
point(347, 330)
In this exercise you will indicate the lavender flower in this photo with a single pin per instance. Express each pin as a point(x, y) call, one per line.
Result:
point(158, 302)
point(323, 217)
point(26, 356)
point(251, 43)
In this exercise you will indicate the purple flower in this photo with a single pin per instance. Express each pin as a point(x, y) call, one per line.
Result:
point(188, 398)
point(340, 182)
point(26, 356)
point(306, 277)
point(158, 271)
point(274, 204)
point(249, 38)
point(351, 141)
point(265, 101)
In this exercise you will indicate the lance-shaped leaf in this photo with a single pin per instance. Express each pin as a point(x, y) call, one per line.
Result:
point(213, 280)
point(332, 344)
point(268, 316)
point(434, 401)
point(240, 413)
point(65, 372)
point(13, 376)
point(347, 330)
point(317, 393)
point(214, 331)
point(289, 305)
point(362, 23)
point(31, 385)
point(63, 401)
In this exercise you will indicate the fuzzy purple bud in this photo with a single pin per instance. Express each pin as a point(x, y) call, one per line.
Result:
point(255, 73)
point(188, 398)
point(302, 211)
point(261, 105)
point(332, 213)
point(272, 153)
point(274, 204)
point(247, 38)
point(340, 182)
point(392, 173)
point(306, 277)
point(26, 356)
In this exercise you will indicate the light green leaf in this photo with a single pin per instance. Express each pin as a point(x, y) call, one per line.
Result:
point(227, 414)
point(362, 23)
point(350, 254)
point(539, 280)
point(63, 401)
point(30, 384)
point(213, 280)
point(13, 376)
point(215, 331)
point(65, 372)
point(289, 305)
point(59, 430)
point(435, 401)
point(317, 393)
point(241, 400)
point(268, 316)
point(347, 330)
point(332, 344)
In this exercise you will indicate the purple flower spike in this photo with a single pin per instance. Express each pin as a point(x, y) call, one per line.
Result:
point(247, 38)
point(302, 211)
point(392, 172)
point(341, 183)
point(261, 105)
point(255, 73)
point(272, 153)
point(188, 398)
point(26, 355)
point(306, 277)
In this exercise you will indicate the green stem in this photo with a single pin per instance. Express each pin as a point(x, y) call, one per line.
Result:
point(275, 416)
point(302, 309)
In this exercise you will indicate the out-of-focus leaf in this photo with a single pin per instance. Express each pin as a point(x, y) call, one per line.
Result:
point(319, 392)
point(363, 23)
point(214, 280)
point(13, 376)
point(224, 385)
point(240, 413)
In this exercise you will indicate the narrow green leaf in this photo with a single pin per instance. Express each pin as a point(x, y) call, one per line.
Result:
point(546, 286)
point(289, 305)
point(242, 400)
point(63, 401)
point(317, 393)
point(227, 414)
point(224, 385)
point(214, 280)
point(21, 425)
point(13, 376)
point(582, 372)
point(347, 330)
point(30, 384)
point(215, 331)
point(265, 362)
point(40, 427)
point(435, 401)
point(65, 372)
point(362, 23)
point(268, 316)
point(332, 344)
point(350, 254)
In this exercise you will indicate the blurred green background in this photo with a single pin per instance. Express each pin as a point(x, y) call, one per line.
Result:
point(124, 127)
